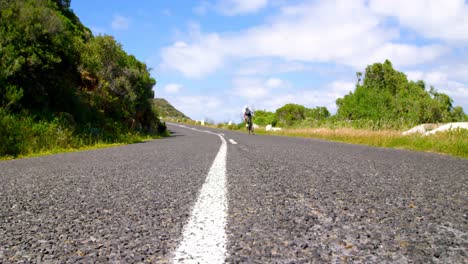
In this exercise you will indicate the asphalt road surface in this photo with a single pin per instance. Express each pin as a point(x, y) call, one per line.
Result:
point(214, 196)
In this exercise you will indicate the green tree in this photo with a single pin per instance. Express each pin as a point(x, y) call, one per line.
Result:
point(263, 118)
point(119, 83)
point(38, 54)
point(458, 114)
point(290, 114)
point(56, 77)
point(386, 95)
point(318, 113)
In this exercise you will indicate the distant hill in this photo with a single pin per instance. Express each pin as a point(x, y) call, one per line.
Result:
point(165, 109)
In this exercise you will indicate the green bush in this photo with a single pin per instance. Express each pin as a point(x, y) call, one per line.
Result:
point(21, 135)
point(61, 87)
point(263, 118)
point(385, 96)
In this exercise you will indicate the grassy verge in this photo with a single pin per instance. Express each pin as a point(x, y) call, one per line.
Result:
point(453, 143)
point(82, 147)
point(22, 135)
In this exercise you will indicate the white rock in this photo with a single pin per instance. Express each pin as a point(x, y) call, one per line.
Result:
point(268, 128)
point(449, 126)
point(420, 129)
point(276, 128)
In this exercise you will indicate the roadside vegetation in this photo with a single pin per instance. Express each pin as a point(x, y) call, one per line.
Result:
point(383, 105)
point(62, 88)
point(454, 142)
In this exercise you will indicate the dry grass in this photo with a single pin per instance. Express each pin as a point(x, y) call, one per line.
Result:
point(453, 142)
point(359, 136)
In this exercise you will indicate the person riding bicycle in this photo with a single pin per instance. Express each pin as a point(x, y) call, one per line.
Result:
point(248, 113)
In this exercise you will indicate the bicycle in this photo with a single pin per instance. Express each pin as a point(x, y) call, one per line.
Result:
point(250, 126)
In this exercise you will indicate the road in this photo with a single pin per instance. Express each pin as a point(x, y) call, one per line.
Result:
point(213, 196)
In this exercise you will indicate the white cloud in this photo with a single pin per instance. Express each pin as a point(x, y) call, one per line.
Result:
point(309, 97)
point(447, 20)
point(194, 60)
point(172, 88)
point(238, 7)
point(256, 88)
point(456, 71)
point(336, 31)
point(197, 106)
point(406, 55)
point(273, 83)
point(120, 23)
point(199, 102)
point(231, 7)
point(249, 88)
point(262, 67)
point(340, 88)
point(326, 96)
point(457, 90)
point(435, 78)
point(275, 102)
point(225, 106)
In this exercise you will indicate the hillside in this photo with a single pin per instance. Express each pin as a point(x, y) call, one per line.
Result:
point(63, 87)
point(165, 109)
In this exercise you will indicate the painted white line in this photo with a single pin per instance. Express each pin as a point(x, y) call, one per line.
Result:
point(204, 237)
point(232, 141)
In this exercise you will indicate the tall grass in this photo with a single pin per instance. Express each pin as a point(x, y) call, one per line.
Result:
point(454, 142)
point(21, 135)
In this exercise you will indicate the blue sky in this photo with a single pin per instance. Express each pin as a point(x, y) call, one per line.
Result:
point(212, 57)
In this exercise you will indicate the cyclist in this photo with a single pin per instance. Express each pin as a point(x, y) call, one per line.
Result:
point(248, 115)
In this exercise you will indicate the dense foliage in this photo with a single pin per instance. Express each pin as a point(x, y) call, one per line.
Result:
point(384, 98)
point(385, 95)
point(289, 115)
point(54, 73)
point(263, 118)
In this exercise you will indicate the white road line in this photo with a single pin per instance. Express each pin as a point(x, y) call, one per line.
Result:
point(204, 237)
point(232, 141)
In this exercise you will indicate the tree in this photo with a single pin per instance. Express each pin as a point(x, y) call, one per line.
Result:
point(263, 118)
point(386, 95)
point(51, 64)
point(317, 113)
point(58, 81)
point(458, 114)
point(33, 57)
point(290, 114)
point(119, 82)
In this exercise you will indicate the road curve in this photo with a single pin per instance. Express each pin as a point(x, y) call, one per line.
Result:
point(289, 200)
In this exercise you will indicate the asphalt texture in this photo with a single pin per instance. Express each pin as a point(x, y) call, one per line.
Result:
point(120, 205)
point(290, 200)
